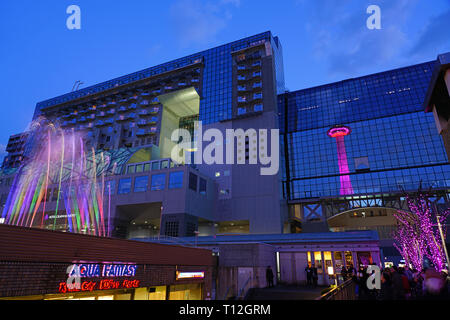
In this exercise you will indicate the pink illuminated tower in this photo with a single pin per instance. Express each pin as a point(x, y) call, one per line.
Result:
point(339, 133)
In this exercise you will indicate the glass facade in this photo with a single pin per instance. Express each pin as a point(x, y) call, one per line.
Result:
point(176, 180)
point(158, 182)
point(141, 184)
point(392, 144)
point(124, 186)
point(217, 86)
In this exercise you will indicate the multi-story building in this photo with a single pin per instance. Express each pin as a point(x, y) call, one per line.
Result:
point(438, 98)
point(122, 129)
point(349, 151)
point(354, 148)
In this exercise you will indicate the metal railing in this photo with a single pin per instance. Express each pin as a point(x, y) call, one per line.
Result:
point(345, 291)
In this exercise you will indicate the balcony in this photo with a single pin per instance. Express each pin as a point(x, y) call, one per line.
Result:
point(258, 96)
point(111, 112)
point(143, 123)
point(257, 74)
point(91, 116)
point(257, 85)
point(102, 106)
point(242, 89)
point(182, 84)
point(241, 78)
point(142, 133)
point(122, 118)
point(153, 120)
point(154, 111)
point(145, 94)
point(101, 114)
point(144, 103)
point(158, 91)
point(125, 100)
point(241, 67)
point(100, 123)
point(241, 111)
point(258, 107)
point(123, 109)
point(154, 101)
point(257, 64)
point(82, 120)
point(133, 98)
point(242, 100)
point(132, 107)
point(146, 132)
point(112, 104)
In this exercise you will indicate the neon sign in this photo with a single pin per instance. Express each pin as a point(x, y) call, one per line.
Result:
point(104, 271)
point(190, 275)
point(89, 286)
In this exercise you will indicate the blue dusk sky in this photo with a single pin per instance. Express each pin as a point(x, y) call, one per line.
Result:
point(323, 41)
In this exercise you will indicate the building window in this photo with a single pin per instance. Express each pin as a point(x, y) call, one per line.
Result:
point(318, 261)
point(158, 182)
point(202, 188)
point(172, 228)
point(190, 229)
point(257, 96)
point(147, 167)
point(131, 169)
point(241, 111)
point(165, 164)
point(124, 186)
point(155, 165)
point(139, 168)
point(176, 180)
point(193, 181)
point(141, 184)
point(258, 107)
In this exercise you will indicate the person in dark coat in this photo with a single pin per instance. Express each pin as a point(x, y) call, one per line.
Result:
point(309, 275)
point(398, 290)
point(386, 287)
point(315, 276)
point(344, 273)
point(269, 276)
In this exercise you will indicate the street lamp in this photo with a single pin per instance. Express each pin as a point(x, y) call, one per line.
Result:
point(443, 243)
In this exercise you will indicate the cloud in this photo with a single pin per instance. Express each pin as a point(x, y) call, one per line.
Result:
point(434, 36)
point(343, 41)
point(198, 22)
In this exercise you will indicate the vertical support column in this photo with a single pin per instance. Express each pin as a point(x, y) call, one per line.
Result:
point(355, 260)
point(324, 271)
point(376, 258)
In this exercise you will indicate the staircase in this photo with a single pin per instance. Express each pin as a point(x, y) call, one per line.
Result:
point(284, 293)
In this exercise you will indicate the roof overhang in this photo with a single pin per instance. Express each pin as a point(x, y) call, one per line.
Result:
point(437, 92)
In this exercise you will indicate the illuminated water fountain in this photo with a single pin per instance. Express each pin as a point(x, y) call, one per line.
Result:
point(57, 160)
